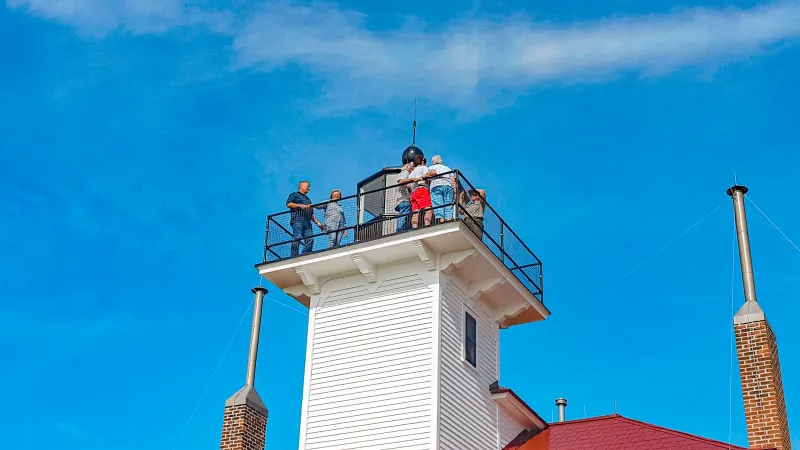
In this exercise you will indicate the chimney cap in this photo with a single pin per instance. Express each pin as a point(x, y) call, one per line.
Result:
point(561, 401)
point(737, 187)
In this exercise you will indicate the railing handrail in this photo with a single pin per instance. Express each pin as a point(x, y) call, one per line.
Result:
point(462, 185)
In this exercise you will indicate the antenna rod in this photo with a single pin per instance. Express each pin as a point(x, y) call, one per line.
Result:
point(745, 259)
point(414, 135)
point(255, 331)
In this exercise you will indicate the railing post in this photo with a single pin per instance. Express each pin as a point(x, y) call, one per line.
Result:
point(359, 215)
point(359, 218)
point(266, 239)
point(502, 242)
point(456, 194)
point(541, 285)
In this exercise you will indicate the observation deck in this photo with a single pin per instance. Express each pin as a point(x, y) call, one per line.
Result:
point(366, 230)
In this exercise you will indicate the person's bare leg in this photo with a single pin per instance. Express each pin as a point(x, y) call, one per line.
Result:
point(428, 217)
point(415, 219)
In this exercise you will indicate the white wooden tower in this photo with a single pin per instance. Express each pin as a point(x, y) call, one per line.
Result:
point(392, 324)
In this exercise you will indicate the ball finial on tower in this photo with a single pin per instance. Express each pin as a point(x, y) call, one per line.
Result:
point(410, 153)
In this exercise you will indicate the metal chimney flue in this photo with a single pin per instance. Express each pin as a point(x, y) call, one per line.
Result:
point(244, 424)
point(561, 404)
point(255, 331)
point(748, 281)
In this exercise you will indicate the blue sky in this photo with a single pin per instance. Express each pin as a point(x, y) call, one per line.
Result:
point(143, 142)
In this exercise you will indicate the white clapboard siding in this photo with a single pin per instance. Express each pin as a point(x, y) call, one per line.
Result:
point(468, 414)
point(372, 367)
point(509, 428)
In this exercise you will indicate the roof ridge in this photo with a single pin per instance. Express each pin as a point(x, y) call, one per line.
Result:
point(588, 419)
point(679, 433)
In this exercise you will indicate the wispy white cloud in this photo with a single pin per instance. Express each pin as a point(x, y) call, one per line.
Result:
point(470, 60)
point(135, 16)
point(465, 62)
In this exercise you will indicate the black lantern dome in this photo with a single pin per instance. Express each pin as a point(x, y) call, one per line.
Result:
point(410, 153)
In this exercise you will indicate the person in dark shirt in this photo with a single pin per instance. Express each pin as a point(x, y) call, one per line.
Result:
point(301, 217)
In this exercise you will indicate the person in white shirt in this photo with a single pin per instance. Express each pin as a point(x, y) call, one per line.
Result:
point(420, 195)
point(403, 206)
point(443, 187)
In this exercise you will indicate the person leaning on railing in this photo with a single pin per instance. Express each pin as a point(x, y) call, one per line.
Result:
point(301, 217)
point(442, 189)
point(403, 206)
point(474, 210)
point(335, 224)
point(420, 195)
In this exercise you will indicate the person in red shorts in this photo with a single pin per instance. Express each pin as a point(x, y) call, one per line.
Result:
point(420, 195)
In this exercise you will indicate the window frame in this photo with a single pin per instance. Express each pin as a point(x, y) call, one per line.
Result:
point(467, 341)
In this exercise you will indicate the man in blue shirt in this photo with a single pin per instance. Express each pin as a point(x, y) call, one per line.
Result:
point(301, 217)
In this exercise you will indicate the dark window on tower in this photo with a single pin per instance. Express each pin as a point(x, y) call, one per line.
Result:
point(470, 340)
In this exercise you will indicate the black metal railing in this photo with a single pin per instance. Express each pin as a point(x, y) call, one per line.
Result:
point(386, 211)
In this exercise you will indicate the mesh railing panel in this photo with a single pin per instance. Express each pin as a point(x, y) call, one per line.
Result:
point(293, 233)
point(499, 238)
point(381, 212)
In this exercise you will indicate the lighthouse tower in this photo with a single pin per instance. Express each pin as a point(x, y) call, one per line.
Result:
point(404, 323)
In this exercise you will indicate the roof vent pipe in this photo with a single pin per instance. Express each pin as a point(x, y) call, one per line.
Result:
point(561, 403)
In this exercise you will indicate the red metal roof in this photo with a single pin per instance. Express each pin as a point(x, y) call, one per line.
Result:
point(615, 433)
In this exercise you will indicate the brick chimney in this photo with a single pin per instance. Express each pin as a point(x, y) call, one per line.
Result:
point(762, 387)
point(244, 424)
point(757, 349)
